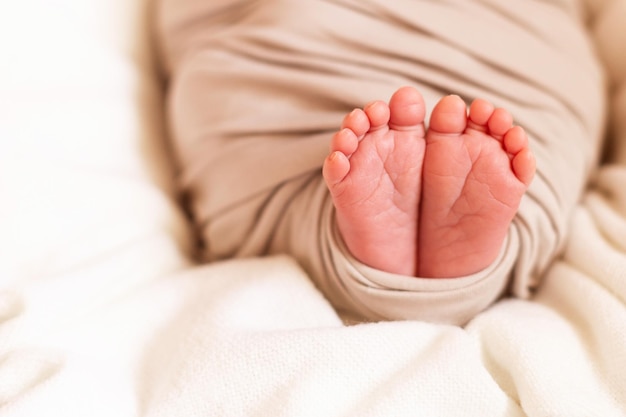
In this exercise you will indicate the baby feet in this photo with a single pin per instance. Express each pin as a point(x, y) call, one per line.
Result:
point(476, 170)
point(437, 204)
point(374, 173)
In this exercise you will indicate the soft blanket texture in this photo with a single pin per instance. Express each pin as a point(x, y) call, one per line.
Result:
point(103, 314)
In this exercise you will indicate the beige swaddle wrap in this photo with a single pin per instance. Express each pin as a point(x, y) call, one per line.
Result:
point(256, 89)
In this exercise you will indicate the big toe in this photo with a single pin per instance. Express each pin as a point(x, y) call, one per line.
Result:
point(407, 110)
point(449, 116)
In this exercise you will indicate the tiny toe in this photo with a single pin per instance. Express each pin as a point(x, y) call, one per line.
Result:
point(407, 109)
point(449, 115)
point(524, 166)
point(500, 122)
point(515, 140)
point(344, 141)
point(479, 113)
point(378, 114)
point(336, 167)
point(357, 121)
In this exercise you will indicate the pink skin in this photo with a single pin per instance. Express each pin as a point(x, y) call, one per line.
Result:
point(476, 170)
point(434, 205)
point(374, 174)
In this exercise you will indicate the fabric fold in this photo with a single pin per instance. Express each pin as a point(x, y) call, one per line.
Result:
point(256, 92)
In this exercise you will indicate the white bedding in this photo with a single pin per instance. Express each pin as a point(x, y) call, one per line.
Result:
point(102, 312)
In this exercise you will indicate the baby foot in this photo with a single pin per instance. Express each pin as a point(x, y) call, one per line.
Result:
point(374, 173)
point(476, 170)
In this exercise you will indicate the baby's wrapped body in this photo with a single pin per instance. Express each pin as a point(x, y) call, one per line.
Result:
point(256, 90)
